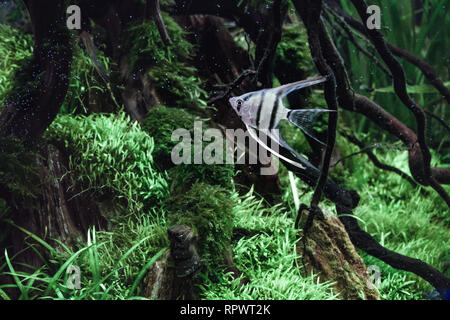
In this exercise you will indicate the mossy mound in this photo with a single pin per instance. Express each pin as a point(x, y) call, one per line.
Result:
point(160, 123)
point(293, 49)
point(110, 156)
point(208, 210)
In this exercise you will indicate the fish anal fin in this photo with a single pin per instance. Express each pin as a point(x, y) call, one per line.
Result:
point(253, 134)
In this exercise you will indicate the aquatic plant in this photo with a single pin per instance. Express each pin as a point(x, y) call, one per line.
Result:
point(16, 49)
point(175, 81)
point(110, 156)
point(160, 123)
point(208, 210)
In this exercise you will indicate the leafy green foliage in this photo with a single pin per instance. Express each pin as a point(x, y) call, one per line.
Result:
point(16, 49)
point(108, 269)
point(419, 37)
point(18, 169)
point(110, 156)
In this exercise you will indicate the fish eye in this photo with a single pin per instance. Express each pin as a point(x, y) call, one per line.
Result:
point(239, 104)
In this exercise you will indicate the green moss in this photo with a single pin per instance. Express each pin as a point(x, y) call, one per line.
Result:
point(293, 49)
point(18, 169)
point(184, 175)
point(85, 82)
point(160, 124)
point(175, 82)
point(208, 210)
point(110, 156)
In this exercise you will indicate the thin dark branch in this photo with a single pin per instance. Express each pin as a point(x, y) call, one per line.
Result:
point(365, 149)
point(349, 37)
point(154, 11)
point(231, 86)
point(366, 242)
point(310, 12)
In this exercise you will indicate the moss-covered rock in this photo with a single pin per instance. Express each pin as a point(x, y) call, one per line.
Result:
point(160, 123)
point(208, 210)
point(328, 252)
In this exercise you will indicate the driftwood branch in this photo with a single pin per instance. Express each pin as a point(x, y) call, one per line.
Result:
point(229, 87)
point(427, 70)
point(29, 111)
point(310, 12)
point(399, 78)
point(153, 10)
point(367, 243)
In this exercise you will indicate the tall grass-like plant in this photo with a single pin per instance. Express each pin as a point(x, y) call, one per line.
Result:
point(100, 277)
point(85, 81)
point(423, 38)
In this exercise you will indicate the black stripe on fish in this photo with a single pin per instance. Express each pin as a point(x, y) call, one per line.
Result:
point(273, 116)
point(258, 114)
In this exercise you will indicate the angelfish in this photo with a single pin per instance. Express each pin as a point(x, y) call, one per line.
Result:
point(263, 110)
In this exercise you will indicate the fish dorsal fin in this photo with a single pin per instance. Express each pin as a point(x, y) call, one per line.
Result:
point(254, 136)
point(305, 119)
point(284, 90)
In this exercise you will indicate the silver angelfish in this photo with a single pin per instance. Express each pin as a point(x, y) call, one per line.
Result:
point(263, 110)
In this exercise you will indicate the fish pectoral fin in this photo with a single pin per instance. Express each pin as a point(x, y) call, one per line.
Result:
point(254, 136)
point(305, 119)
point(290, 87)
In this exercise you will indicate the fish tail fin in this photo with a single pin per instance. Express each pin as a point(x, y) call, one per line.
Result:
point(305, 119)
